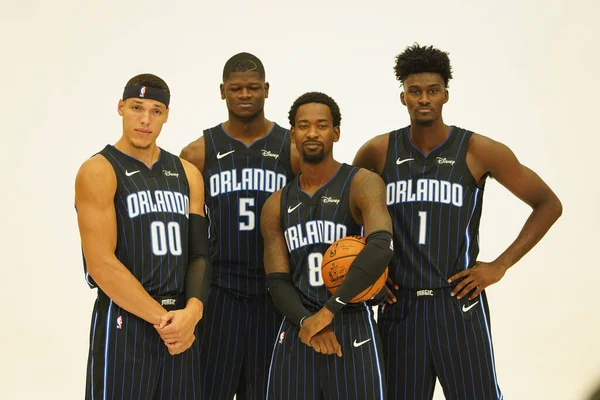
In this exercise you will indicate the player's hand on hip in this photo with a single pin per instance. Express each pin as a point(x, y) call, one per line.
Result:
point(181, 346)
point(476, 279)
point(315, 324)
point(390, 298)
point(326, 342)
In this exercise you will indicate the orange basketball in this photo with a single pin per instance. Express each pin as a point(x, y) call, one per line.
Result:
point(336, 262)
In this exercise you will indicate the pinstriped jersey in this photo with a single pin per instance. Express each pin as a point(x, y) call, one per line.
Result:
point(310, 225)
point(238, 180)
point(435, 207)
point(152, 211)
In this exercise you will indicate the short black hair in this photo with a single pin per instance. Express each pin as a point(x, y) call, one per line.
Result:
point(315, 97)
point(417, 59)
point(243, 62)
point(149, 80)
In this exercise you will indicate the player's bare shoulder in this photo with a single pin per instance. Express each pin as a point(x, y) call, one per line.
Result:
point(96, 175)
point(195, 153)
point(373, 153)
point(484, 153)
point(191, 171)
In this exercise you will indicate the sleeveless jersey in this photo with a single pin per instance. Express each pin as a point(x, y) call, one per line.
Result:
point(310, 225)
point(152, 210)
point(238, 180)
point(435, 207)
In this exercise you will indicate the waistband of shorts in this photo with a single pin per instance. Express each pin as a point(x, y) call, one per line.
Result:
point(171, 303)
point(424, 293)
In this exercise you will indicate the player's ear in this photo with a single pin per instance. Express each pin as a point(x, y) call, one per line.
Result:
point(402, 98)
point(120, 107)
point(447, 96)
point(222, 89)
point(266, 90)
point(336, 133)
point(293, 135)
point(166, 114)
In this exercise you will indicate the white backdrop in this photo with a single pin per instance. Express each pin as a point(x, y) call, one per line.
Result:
point(525, 73)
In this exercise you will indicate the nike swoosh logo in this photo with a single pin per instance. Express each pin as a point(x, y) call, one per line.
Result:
point(341, 302)
point(358, 344)
point(219, 155)
point(290, 209)
point(399, 161)
point(131, 173)
point(465, 309)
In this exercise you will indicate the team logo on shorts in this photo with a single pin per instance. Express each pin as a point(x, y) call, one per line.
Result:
point(119, 322)
point(143, 91)
point(281, 337)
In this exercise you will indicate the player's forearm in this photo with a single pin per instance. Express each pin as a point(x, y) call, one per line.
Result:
point(125, 290)
point(285, 297)
point(365, 270)
point(536, 226)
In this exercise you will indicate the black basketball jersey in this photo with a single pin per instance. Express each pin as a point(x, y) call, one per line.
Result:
point(152, 209)
point(238, 180)
point(310, 225)
point(435, 207)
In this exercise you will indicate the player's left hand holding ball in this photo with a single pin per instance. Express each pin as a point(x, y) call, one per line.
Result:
point(478, 277)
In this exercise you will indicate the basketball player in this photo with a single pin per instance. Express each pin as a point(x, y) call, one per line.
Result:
point(435, 175)
point(145, 240)
point(316, 354)
point(243, 160)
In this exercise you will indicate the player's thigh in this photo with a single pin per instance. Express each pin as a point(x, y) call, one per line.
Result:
point(293, 369)
point(404, 334)
point(360, 372)
point(462, 349)
point(220, 337)
point(124, 359)
point(264, 322)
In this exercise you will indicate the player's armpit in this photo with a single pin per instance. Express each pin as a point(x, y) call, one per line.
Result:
point(195, 153)
point(95, 188)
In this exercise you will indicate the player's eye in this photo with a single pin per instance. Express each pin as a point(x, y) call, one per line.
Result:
point(136, 108)
point(157, 111)
point(322, 126)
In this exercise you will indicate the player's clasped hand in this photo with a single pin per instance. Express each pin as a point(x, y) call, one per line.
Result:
point(315, 324)
point(326, 342)
point(478, 277)
point(176, 329)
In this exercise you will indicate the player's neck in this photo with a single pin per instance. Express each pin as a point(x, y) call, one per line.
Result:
point(313, 176)
point(148, 156)
point(427, 138)
point(247, 129)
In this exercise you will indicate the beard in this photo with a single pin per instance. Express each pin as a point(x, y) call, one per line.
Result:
point(313, 158)
point(425, 123)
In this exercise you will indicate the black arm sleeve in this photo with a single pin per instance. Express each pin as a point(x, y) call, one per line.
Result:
point(367, 267)
point(285, 297)
point(199, 272)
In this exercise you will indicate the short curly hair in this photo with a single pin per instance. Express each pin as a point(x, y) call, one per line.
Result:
point(315, 97)
point(417, 59)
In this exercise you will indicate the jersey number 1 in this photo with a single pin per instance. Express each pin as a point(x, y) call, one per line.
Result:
point(422, 226)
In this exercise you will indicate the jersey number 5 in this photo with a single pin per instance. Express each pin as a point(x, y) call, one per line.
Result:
point(245, 212)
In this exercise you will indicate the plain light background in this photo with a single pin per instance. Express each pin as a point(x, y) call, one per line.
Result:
point(525, 74)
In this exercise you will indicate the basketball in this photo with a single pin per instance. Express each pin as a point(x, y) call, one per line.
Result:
point(336, 262)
